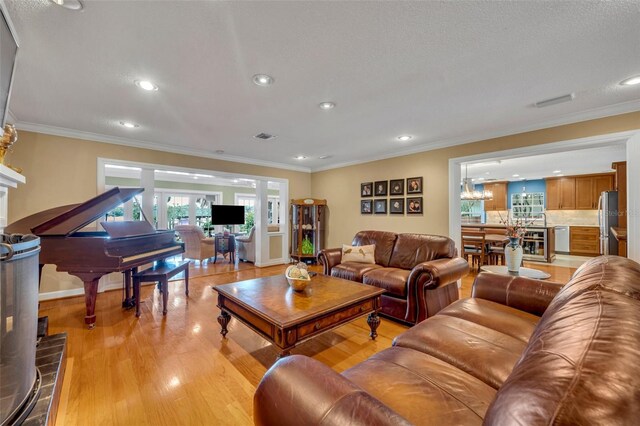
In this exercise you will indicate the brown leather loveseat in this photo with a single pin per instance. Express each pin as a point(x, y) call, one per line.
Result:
point(419, 272)
point(518, 352)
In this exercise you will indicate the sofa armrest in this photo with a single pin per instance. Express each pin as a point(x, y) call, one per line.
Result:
point(521, 293)
point(435, 273)
point(329, 258)
point(438, 277)
point(299, 390)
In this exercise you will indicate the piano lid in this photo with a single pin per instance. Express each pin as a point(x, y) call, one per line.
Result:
point(83, 214)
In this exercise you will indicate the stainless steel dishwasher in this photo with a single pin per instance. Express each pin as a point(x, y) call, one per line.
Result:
point(562, 239)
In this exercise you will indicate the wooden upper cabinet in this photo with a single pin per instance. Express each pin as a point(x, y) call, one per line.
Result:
point(584, 193)
point(568, 193)
point(577, 192)
point(600, 184)
point(553, 194)
point(499, 201)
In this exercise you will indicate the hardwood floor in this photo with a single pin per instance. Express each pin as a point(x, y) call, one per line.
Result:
point(178, 369)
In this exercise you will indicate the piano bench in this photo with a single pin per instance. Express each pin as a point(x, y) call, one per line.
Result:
point(161, 273)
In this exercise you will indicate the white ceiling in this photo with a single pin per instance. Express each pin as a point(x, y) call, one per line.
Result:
point(445, 72)
point(576, 162)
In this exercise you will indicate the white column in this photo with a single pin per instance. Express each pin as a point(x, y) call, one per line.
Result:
point(454, 204)
point(284, 218)
point(261, 223)
point(147, 182)
point(192, 209)
point(633, 197)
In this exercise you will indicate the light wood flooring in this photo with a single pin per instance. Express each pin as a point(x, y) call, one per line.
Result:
point(178, 369)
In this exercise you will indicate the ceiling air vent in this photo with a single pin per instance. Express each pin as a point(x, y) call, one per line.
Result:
point(553, 101)
point(264, 136)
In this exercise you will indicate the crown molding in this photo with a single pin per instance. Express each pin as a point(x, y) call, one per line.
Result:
point(595, 113)
point(117, 140)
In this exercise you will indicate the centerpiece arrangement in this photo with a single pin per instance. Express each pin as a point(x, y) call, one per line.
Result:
point(516, 228)
point(297, 276)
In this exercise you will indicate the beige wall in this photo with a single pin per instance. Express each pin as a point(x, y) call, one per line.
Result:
point(341, 187)
point(63, 171)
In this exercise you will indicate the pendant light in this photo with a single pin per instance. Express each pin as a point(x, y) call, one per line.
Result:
point(469, 192)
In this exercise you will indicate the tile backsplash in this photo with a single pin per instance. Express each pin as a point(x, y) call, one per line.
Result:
point(556, 217)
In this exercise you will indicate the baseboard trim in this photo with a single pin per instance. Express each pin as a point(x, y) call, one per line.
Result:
point(73, 292)
point(272, 262)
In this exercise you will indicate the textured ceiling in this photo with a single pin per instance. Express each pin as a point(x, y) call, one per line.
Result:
point(444, 72)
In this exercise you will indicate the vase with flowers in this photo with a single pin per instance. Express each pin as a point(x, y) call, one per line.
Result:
point(515, 230)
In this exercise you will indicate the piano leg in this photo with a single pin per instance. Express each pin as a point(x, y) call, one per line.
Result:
point(129, 301)
point(90, 294)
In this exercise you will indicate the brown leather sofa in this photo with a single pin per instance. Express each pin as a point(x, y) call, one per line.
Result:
point(518, 352)
point(419, 272)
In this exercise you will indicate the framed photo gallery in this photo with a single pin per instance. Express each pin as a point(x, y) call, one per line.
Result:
point(396, 189)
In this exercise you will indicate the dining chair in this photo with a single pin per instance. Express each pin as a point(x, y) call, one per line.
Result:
point(474, 245)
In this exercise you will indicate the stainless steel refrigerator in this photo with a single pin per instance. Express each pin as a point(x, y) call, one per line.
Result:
point(608, 217)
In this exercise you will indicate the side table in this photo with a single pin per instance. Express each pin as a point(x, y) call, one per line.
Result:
point(225, 244)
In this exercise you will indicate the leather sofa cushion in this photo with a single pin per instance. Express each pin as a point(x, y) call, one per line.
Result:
point(581, 363)
point(486, 354)
point(421, 388)
point(352, 271)
point(412, 249)
point(507, 320)
point(393, 280)
point(384, 242)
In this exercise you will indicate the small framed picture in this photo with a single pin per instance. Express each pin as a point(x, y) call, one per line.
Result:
point(396, 187)
point(380, 188)
point(366, 189)
point(365, 206)
point(396, 205)
point(414, 185)
point(414, 205)
point(380, 206)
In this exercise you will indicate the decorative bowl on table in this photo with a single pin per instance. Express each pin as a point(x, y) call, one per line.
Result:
point(297, 276)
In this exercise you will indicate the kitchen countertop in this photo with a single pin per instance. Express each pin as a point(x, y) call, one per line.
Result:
point(495, 225)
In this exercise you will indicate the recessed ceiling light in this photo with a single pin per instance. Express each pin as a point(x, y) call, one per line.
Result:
point(300, 157)
point(69, 4)
point(480, 178)
point(560, 174)
point(324, 157)
point(263, 80)
point(195, 177)
point(404, 138)
point(219, 151)
point(487, 173)
point(146, 85)
point(557, 171)
point(129, 125)
point(327, 105)
point(516, 175)
point(631, 81)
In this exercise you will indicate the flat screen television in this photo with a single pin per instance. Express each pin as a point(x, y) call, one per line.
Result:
point(227, 215)
point(8, 51)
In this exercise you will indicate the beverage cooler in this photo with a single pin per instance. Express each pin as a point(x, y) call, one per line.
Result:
point(19, 377)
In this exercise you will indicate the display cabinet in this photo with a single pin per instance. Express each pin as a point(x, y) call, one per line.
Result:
point(307, 228)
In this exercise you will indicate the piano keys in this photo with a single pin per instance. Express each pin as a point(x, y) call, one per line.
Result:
point(89, 255)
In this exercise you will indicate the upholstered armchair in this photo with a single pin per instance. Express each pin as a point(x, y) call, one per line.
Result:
point(197, 245)
point(246, 246)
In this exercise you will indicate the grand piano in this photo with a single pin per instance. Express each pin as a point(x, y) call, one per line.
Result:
point(123, 245)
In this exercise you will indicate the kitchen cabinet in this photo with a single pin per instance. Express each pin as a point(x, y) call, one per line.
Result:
point(584, 240)
point(620, 185)
point(499, 201)
point(588, 189)
point(561, 193)
point(577, 192)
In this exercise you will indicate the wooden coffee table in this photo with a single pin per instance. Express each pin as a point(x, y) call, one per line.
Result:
point(285, 317)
